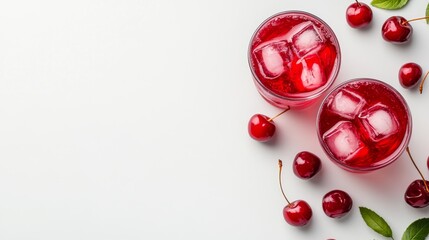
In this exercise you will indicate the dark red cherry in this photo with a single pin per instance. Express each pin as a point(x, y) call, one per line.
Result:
point(337, 203)
point(397, 30)
point(306, 165)
point(409, 74)
point(417, 195)
point(261, 128)
point(358, 15)
point(298, 213)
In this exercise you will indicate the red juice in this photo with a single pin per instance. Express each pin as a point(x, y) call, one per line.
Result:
point(294, 57)
point(364, 124)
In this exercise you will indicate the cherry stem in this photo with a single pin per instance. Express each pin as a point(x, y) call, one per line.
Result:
point(358, 3)
point(280, 181)
point(423, 82)
point(415, 19)
point(287, 109)
point(418, 170)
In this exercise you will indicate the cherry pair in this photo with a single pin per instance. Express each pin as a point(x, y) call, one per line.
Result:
point(395, 29)
point(335, 203)
point(305, 166)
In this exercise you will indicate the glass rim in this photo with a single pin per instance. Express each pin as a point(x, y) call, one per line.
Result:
point(398, 151)
point(333, 75)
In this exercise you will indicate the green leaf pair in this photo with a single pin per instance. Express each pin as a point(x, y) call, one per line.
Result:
point(418, 230)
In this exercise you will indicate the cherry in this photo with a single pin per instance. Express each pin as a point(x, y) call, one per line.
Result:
point(337, 203)
point(397, 30)
point(358, 15)
point(297, 213)
point(262, 128)
point(417, 195)
point(306, 165)
point(409, 74)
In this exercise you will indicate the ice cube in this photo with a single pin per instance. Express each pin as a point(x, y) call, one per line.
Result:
point(307, 73)
point(272, 58)
point(379, 122)
point(306, 40)
point(343, 140)
point(345, 103)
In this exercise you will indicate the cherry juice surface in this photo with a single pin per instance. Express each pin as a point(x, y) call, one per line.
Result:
point(364, 125)
point(294, 54)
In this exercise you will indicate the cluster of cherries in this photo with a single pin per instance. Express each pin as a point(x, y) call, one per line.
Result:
point(338, 203)
point(395, 29)
point(335, 203)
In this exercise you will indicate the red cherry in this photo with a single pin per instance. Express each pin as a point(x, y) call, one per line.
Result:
point(358, 15)
point(417, 195)
point(409, 74)
point(337, 203)
point(298, 213)
point(306, 165)
point(397, 30)
point(262, 128)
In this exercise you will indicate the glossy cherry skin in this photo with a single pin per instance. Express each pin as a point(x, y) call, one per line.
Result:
point(358, 15)
point(409, 74)
point(298, 213)
point(306, 165)
point(337, 203)
point(397, 30)
point(260, 128)
point(416, 194)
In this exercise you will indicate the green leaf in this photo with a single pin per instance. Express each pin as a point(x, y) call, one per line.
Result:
point(375, 222)
point(389, 4)
point(418, 230)
point(427, 14)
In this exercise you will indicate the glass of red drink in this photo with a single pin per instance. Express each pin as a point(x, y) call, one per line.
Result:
point(294, 57)
point(364, 124)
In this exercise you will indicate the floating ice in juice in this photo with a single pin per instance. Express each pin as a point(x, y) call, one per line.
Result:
point(294, 57)
point(364, 125)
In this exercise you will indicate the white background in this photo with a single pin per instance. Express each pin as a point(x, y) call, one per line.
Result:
point(128, 120)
